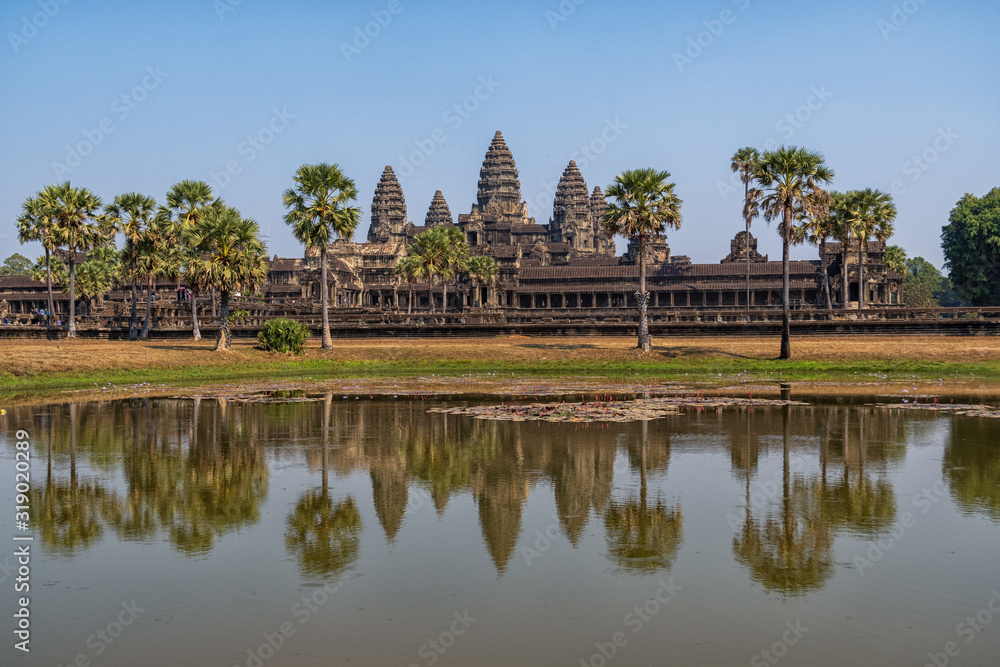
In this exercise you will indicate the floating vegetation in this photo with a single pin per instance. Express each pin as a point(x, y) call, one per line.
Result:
point(641, 409)
point(967, 409)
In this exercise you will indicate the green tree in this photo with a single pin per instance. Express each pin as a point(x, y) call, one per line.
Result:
point(869, 214)
point(456, 257)
point(34, 224)
point(16, 265)
point(187, 203)
point(483, 272)
point(895, 259)
point(744, 162)
point(158, 255)
point(132, 214)
point(96, 276)
point(75, 215)
point(319, 207)
point(233, 259)
point(789, 180)
point(645, 206)
point(924, 286)
point(408, 268)
point(817, 230)
point(430, 248)
point(971, 243)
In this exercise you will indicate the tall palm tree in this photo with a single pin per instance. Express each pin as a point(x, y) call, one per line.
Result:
point(408, 268)
point(430, 248)
point(744, 162)
point(456, 257)
point(817, 230)
point(895, 259)
point(233, 259)
point(157, 255)
point(788, 180)
point(483, 271)
point(319, 207)
point(841, 231)
point(35, 225)
point(645, 206)
point(132, 214)
point(869, 213)
point(75, 216)
point(188, 201)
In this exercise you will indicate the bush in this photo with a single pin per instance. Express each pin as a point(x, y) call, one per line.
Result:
point(283, 336)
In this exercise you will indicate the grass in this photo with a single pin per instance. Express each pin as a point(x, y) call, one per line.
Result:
point(29, 366)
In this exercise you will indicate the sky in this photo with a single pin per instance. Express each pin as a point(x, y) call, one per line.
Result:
point(903, 96)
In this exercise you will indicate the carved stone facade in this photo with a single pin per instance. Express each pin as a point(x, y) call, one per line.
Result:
point(388, 210)
point(742, 244)
point(438, 213)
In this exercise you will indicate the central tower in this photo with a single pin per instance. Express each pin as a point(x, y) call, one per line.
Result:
point(499, 189)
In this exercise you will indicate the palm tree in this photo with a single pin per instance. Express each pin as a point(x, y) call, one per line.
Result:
point(408, 268)
point(319, 207)
point(189, 201)
point(132, 214)
point(841, 231)
point(483, 271)
point(744, 162)
point(817, 230)
point(430, 248)
point(869, 213)
point(233, 259)
point(645, 206)
point(157, 255)
point(895, 259)
point(456, 258)
point(788, 181)
point(34, 225)
point(75, 217)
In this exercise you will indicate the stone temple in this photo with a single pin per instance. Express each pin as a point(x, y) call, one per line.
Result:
point(565, 268)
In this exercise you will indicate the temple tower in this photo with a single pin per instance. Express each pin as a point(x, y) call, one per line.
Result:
point(438, 213)
point(571, 218)
point(499, 189)
point(604, 242)
point(388, 211)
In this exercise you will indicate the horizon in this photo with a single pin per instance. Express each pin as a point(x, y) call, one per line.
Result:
point(895, 99)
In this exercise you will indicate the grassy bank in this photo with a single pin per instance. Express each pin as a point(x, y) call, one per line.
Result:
point(31, 366)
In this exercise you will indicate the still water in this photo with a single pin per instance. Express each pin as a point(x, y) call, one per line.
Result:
point(341, 531)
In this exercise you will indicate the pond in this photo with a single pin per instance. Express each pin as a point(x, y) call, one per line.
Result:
point(329, 530)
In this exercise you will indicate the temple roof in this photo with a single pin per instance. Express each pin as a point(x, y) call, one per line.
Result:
point(571, 196)
point(498, 184)
point(438, 213)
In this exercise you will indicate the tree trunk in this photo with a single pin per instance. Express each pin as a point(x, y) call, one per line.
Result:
point(225, 342)
point(645, 344)
point(845, 290)
point(786, 327)
point(409, 302)
point(861, 274)
point(430, 293)
point(324, 299)
point(826, 273)
point(194, 313)
point(72, 297)
point(746, 219)
point(144, 334)
point(215, 312)
point(48, 284)
point(133, 319)
point(444, 299)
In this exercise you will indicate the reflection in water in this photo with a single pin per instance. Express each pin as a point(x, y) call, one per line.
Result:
point(189, 471)
point(972, 466)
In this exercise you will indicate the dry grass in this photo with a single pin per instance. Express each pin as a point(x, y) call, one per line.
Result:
point(47, 358)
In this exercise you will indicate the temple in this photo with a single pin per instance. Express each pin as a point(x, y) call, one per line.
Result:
point(564, 268)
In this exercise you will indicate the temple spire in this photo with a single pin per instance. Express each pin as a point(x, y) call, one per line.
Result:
point(438, 213)
point(499, 189)
point(388, 210)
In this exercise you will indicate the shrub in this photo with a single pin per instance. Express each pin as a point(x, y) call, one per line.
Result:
point(283, 336)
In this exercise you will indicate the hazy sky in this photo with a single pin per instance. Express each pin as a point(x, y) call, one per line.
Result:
point(128, 96)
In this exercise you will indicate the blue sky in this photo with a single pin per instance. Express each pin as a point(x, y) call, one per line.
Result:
point(901, 96)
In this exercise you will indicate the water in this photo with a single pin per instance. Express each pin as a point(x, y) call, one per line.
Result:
point(180, 531)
